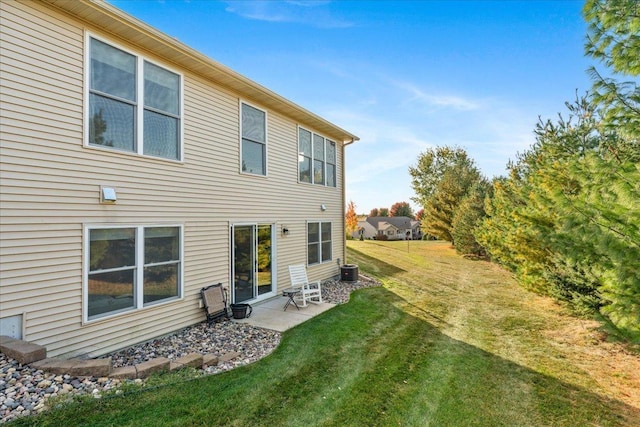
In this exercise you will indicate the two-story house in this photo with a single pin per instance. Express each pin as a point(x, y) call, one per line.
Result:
point(136, 170)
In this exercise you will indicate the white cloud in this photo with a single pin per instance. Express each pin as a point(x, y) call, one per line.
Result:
point(377, 165)
point(435, 99)
point(331, 67)
point(397, 120)
point(391, 140)
point(308, 3)
point(313, 13)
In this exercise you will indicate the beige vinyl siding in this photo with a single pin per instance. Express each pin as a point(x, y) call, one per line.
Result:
point(50, 189)
point(41, 261)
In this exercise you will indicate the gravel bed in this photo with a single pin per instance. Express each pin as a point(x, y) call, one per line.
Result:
point(219, 338)
point(25, 391)
point(337, 292)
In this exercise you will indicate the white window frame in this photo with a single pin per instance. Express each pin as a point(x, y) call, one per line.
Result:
point(320, 241)
point(265, 143)
point(139, 266)
point(139, 105)
point(313, 159)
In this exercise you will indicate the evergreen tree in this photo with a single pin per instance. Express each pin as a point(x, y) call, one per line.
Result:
point(507, 235)
point(613, 31)
point(467, 217)
point(614, 39)
point(568, 272)
point(567, 220)
point(609, 206)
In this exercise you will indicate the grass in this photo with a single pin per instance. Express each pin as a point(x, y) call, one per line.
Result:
point(445, 342)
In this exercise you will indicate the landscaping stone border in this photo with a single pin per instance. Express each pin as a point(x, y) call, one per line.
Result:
point(34, 355)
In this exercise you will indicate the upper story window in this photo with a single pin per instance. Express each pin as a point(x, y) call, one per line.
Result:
point(316, 159)
point(254, 140)
point(134, 105)
point(331, 163)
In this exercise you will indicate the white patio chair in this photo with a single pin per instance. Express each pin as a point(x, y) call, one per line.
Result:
point(309, 291)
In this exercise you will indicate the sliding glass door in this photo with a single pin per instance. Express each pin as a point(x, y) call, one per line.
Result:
point(252, 261)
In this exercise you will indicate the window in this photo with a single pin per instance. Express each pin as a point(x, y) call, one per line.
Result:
point(316, 159)
point(304, 155)
point(331, 163)
point(132, 267)
point(134, 105)
point(318, 242)
point(254, 140)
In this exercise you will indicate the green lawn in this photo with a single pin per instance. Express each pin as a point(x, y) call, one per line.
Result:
point(446, 342)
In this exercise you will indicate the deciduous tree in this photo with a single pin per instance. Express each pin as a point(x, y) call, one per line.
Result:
point(430, 169)
point(401, 209)
point(351, 218)
point(450, 190)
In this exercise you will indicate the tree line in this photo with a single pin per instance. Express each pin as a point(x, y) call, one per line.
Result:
point(397, 209)
point(566, 218)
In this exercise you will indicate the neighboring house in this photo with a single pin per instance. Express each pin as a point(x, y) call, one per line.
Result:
point(136, 171)
point(366, 230)
point(393, 228)
point(387, 231)
point(416, 230)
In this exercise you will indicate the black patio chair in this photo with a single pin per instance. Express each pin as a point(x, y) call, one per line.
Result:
point(214, 298)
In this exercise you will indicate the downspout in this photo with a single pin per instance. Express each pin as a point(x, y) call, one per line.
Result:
point(344, 199)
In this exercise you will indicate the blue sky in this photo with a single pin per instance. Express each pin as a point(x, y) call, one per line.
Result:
point(403, 76)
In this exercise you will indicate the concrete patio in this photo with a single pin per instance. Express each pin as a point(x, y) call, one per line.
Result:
point(270, 314)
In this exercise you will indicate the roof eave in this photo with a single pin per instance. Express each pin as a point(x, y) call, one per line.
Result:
point(124, 26)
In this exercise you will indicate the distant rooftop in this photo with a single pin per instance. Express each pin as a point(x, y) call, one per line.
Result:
point(402, 222)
